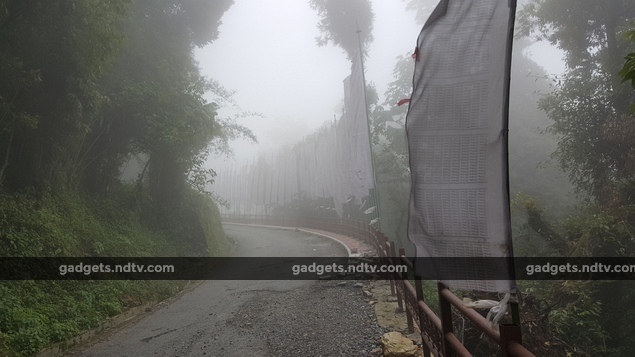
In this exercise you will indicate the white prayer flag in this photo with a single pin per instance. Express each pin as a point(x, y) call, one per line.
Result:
point(457, 136)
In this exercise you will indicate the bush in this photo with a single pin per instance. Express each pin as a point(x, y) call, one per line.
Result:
point(34, 314)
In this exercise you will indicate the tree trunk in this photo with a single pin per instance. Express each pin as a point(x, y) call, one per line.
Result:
point(6, 156)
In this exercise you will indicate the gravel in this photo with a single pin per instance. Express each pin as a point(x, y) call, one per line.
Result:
point(260, 318)
point(320, 319)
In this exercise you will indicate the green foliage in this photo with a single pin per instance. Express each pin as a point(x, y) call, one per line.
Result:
point(628, 71)
point(340, 21)
point(589, 112)
point(584, 316)
point(208, 217)
point(589, 98)
point(89, 84)
point(34, 314)
point(589, 109)
point(531, 173)
point(158, 110)
point(565, 318)
point(33, 228)
point(67, 225)
point(85, 86)
point(53, 52)
point(390, 151)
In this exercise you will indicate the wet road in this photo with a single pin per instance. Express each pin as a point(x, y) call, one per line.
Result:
point(200, 323)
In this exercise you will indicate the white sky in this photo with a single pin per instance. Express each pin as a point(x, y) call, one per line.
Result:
point(267, 53)
point(549, 57)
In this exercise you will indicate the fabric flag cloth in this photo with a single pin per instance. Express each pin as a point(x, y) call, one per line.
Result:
point(457, 126)
point(353, 142)
point(329, 167)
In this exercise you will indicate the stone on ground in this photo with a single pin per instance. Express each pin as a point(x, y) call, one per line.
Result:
point(396, 345)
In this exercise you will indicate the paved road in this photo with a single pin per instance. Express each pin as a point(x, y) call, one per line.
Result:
point(252, 318)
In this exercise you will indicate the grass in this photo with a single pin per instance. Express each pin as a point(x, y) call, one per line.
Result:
point(35, 314)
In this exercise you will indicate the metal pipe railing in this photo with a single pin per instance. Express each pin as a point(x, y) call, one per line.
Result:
point(436, 332)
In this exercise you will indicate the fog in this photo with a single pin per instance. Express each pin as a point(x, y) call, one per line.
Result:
point(267, 54)
point(113, 127)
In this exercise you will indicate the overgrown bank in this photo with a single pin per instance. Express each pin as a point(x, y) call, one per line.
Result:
point(88, 89)
point(34, 314)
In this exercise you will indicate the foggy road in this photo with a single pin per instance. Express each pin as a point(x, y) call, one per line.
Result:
point(220, 318)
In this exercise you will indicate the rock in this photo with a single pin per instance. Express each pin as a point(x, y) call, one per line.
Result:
point(372, 302)
point(415, 337)
point(359, 285)
point(341, 283)
point(368, 293)
point(396, 345)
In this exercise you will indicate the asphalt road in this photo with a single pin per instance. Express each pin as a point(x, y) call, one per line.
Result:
point(253, 318)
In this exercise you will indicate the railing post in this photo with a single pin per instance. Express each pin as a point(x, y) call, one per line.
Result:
point(390, 252)
point(375, 238)
point(509, 333)
point(404, 278)
point(446, 321)
point(399, 291)
point(422, 315)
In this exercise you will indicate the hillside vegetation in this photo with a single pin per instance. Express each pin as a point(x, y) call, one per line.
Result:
point(86, 87)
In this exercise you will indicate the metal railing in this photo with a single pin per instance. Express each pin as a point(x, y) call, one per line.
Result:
point(437, 334)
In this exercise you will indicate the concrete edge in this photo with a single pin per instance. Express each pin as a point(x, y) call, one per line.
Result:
point(348, 250)
point(59, 348)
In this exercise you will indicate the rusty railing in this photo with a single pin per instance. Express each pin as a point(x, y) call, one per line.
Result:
point(437, 332)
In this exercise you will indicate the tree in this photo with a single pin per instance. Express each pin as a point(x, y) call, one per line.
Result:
point(422, 9)
point(390, 150)
point(157, 109)
point(156, 92)
point(340, 21)
point(589, 109)
point(589, 100)
point(52, 53)
point(86, 85)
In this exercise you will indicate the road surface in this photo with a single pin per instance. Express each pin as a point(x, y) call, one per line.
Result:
point(255, 318)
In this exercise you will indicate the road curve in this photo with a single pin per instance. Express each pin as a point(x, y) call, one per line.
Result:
point(249, 318)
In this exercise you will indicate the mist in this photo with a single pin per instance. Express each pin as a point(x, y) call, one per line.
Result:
point(269, 57)
point(289, 72)
point(141, 128)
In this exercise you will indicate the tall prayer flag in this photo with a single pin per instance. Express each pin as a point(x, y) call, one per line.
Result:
point(457, 126)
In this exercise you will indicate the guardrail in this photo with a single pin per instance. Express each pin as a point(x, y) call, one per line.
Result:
point(437, 332)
